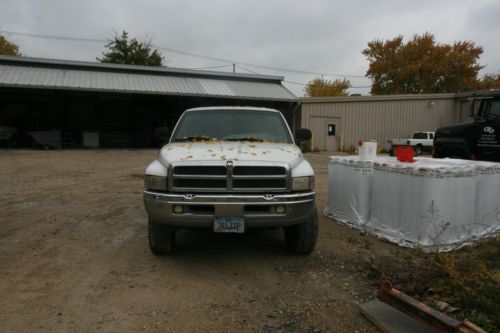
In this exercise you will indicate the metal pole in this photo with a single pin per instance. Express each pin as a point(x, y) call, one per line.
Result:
point(457, 76)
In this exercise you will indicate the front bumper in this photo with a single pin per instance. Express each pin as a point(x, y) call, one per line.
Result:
point(259, 210)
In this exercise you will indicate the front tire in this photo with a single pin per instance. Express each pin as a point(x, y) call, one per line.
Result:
point(452, 152)
point(301, 238)
point(161, 238)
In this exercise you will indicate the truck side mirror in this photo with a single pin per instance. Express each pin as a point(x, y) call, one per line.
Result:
point(162, 134)
point(303, 134)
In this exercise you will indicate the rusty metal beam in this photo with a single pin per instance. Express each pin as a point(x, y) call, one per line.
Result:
point(428, 316)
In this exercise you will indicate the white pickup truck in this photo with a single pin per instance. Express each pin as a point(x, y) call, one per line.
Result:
point(420, 141)
point(231, 169)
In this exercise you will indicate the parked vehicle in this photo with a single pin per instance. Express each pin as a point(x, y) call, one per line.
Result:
point(13, 137)
point(8, 135)
point(231, 169)
point(479, 139)
point(47, 139)
point(420, 141)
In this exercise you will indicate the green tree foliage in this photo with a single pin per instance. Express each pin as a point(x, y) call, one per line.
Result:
point(122, 50)
point(320, 87)
point(8, 48)
point(421, 65)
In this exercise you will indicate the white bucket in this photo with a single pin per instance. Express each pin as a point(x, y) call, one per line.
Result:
point(368, 151)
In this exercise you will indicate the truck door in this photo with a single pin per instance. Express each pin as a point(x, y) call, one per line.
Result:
point(488, 131)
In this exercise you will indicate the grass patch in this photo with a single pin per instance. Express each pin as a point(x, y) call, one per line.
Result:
point(467, 279)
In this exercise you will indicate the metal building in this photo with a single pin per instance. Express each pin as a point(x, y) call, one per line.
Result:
point(338, 123)
point(121, 105)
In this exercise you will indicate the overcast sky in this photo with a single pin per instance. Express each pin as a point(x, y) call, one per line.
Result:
point(322, 36)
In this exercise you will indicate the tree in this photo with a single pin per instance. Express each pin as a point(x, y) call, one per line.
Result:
point(8, 48)
point(421, 65)
point(489, 81)
point(320, 87)
point(121, 50)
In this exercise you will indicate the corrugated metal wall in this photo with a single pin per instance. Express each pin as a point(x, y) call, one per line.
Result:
point(377, 117)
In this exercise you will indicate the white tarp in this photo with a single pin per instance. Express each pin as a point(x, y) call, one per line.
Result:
point(433, 203)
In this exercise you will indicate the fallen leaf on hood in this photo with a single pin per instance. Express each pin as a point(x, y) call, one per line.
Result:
point(223, 157)
point(254, 154)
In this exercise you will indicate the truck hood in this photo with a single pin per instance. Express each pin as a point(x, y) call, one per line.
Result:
point(231, 150)
point(453, 130)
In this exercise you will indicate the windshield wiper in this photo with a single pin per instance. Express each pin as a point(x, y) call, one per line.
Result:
point(246, 138)
point(194, 138)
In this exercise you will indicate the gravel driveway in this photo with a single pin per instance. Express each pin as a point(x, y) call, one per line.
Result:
point(74, 258)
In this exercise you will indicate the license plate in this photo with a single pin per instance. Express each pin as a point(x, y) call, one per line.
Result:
point(229, 224)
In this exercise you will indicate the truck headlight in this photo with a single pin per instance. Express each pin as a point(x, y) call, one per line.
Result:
point(302, 183)
point(155, 182)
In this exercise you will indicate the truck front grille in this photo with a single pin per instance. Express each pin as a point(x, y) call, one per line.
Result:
point(258, 170)
point(259, 183)
point(204, 183)
point(258, 177)
point(200, 170)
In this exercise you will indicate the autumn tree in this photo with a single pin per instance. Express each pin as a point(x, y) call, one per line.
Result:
point(320, 87)
point(421, 65)
point(122, 50)
point(489, 81)
point(8, 48)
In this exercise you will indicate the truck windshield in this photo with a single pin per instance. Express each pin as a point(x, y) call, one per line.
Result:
point(235, 125)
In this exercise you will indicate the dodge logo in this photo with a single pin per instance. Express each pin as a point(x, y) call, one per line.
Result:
point(489, 129)
point(229, 164)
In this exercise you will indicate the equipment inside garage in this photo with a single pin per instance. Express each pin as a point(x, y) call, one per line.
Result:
point(83, 104)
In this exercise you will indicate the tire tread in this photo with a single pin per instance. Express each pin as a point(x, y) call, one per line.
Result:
point(301, 238)
point(161, 238)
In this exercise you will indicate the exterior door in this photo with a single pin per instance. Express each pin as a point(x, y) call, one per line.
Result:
point(326, 133)
point(332, 143)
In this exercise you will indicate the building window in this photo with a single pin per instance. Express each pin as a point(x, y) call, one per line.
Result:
point(331, 129)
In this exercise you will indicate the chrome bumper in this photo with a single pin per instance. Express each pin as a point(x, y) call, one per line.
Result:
point(201, 209)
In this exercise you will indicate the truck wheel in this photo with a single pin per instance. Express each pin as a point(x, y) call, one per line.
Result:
point(452, 153)
point(418, 149)
point(301, 238)
point(161, 238)
point(458, 156)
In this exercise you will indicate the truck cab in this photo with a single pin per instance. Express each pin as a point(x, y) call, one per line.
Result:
point(420, 141)
point(480, 139)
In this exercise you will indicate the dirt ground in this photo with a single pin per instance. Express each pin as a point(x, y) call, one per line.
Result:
point(74, 257)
